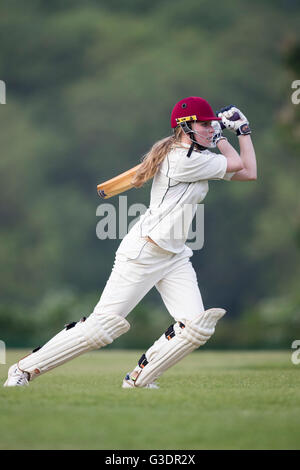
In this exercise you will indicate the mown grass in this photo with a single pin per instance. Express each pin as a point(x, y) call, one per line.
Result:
point(211, 400)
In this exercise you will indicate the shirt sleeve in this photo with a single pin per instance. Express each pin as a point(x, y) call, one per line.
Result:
point(228, 176)
point(199, 166)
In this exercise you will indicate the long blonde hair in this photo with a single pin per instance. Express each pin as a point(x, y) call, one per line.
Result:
point(152, 159)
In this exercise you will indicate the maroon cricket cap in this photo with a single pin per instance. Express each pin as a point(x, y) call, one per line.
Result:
point(192, 108)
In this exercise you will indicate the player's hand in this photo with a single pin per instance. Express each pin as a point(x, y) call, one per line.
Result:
point(234, 120)
point(217, 134)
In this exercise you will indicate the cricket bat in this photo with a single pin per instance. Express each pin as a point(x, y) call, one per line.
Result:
point(118, 184)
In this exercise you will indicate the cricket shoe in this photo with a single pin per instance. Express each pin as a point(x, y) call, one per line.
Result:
point(16, 377)
point(129, 383)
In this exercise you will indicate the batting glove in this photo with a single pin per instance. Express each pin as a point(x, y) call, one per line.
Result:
point(234, 120)
point(217, 134)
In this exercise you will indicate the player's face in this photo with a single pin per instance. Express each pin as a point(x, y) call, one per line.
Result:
point(203, 132)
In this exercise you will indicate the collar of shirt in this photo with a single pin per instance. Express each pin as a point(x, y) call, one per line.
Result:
point(186, 146)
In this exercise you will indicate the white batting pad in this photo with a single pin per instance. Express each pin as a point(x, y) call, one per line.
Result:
point(93, 333)
point(199, 330)
point(165, 353)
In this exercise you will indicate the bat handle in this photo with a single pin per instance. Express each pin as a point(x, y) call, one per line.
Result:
point(234, 117)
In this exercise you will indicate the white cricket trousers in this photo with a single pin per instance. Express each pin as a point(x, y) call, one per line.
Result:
point(133, 276)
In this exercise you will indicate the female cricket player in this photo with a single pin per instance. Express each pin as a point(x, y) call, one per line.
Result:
point(154, 252)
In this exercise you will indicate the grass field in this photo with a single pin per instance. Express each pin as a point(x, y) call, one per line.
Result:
point(211, 400)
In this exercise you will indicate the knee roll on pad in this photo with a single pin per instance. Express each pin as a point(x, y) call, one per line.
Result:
point(201, 328)
point(95, 332)
point(165, 353)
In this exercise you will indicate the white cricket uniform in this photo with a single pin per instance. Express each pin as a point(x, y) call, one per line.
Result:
point(180, 184)
point(139, 265)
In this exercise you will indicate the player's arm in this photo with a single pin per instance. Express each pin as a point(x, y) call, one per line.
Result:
point(234, 161)
point(247, 153)
point(234, 120)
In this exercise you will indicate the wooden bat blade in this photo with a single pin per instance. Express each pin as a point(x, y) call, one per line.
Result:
point(118, 184)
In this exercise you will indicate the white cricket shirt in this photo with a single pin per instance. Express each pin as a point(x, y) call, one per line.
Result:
point(180, 184)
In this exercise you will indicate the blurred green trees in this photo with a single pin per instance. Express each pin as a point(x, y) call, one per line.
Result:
point(90, 86)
